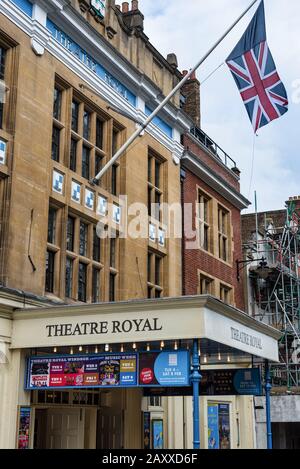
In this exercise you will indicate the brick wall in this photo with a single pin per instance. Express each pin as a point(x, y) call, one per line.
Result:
point(195, 260)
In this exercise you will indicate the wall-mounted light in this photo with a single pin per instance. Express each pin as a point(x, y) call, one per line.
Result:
point(148, 347)
point(175, 345)
point(122, 348)
point(71, 351)
point(134, 345)
point(96, 349)
point(106, 347)
point(54, 350)
point(80, 348)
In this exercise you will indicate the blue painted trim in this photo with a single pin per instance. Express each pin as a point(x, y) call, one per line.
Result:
point(195, 380)
point(268, 387)
point(160, 123)
point(68, 43)
point(24, 5)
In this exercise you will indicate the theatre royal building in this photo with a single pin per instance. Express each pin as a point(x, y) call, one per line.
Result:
point(95, 336)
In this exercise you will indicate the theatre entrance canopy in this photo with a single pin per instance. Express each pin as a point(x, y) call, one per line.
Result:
point(220, 328)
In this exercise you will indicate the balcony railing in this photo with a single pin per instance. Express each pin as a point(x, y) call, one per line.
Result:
point(213, 148)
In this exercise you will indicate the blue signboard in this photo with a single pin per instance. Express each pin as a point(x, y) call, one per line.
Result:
point(160, 123)
point(89, 62)
point(170, 369)
point(248, 382)
point(157, 434)
point(24, 5)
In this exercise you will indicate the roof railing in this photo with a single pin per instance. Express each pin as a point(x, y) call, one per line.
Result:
point(213, 148)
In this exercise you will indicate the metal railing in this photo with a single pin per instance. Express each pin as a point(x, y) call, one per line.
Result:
point(213, 147)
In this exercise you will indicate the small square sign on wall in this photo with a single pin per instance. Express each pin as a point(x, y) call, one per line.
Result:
point(2, 152)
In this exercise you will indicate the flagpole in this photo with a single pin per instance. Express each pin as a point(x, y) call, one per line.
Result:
point(143, 126)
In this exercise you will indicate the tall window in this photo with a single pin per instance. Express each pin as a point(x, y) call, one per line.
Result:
point(113, 252)
point(99, 133)
point(203, 221)
point(50, 263)
point(57, 100)
point(96, 246)
point(75, 116)
point(223, 228)
point(52, 225)
point(96, 285)
point(112, 286)
point(86, 124)
point(2, 76)
point(155, 183)
point(155, 275)
point(73, 154)
point(114, 179)
point(82, 281)
point(85, 162)
point(70, 233)
point(225, 293)
point(83, 239)
point(69, 277)
point(206, 285)
point(55, 144)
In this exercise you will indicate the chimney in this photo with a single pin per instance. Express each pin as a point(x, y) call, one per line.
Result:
point(172, 60)
point(125, 7)
point(191, 93)
point(133, 18)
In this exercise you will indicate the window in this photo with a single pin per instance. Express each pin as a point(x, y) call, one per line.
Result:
point(225, 294)
point(98, 164)
point(86, 124)
point(75, 116)
point(112, 286)
point(114, 176)
point(50, 262)
point(70, 233)
point(57, 100)
point(99, 133)
point(96, 285)
point(96, 246)
point(115, 142)
point(55, 154)
point(206, 285)
point(155, 195)
point(203, 221)
point(85, 162)
point(82, 279)
point(155, 275)
point(223, 218)
point(113, 252)
point(73, 154)
point(83, 239)
point(69, 277)
point(2, 76)
point(51, 225)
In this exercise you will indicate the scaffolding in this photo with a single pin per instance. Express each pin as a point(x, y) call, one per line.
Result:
point(274, 287)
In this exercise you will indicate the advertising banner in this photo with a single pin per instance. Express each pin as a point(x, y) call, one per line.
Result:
point(82, 371)
point(164, 369)
point(109, 370)
point(213, 426)
point(243, 382)
point(157, 434)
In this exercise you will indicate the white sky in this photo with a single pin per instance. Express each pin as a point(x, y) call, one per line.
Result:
point(189, 29)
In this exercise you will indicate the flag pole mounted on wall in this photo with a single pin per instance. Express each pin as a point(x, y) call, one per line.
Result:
point(143, 126)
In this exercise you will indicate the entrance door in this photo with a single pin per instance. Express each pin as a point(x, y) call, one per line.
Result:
point(65, 428)
point(109, 429)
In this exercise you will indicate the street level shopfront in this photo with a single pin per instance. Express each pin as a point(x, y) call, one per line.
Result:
point(122, 375)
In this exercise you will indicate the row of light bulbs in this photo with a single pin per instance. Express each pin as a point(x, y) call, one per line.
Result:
point(107, 348)
point(219, 358)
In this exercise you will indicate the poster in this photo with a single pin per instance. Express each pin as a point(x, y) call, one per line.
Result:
point(24, 427)
point(147, 429)
point(164, 369)
point(213, 426)
point(157, 434)
point(218, 422)
point(224, 426)
point(82, 371)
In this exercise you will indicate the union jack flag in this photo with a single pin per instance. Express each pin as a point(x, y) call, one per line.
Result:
point(254, 70)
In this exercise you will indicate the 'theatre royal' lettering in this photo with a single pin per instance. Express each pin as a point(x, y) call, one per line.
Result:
point(246, 339)
point(104, 327)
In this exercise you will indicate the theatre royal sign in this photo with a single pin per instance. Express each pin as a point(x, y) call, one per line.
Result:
point(144, 321)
